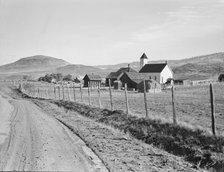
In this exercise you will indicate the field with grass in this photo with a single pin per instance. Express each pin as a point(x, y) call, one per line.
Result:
point(192, 103)
point(190, 139)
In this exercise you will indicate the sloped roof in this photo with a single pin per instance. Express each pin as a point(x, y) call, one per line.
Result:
point(92, 77)
point(120, 71)
point(111, 75)
point(143, 56)
point(153, 68)
point(76, 80)
point(137, 77)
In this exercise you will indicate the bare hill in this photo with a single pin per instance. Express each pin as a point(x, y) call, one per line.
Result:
point(33, 63)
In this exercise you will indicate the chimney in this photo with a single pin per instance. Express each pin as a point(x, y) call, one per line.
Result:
point(166, 62)
point(128, 67)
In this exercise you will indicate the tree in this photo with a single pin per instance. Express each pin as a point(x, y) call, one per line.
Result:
point(67, 78)
point(49, 77)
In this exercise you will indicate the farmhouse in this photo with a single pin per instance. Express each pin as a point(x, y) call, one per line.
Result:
point(113, 76)
point(92, 80)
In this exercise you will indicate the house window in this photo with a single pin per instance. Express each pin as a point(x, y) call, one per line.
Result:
point(155, 77)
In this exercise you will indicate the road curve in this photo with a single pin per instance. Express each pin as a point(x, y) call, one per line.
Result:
point(38, 142)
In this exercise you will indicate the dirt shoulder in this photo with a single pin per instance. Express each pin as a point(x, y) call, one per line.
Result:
point(118, 151)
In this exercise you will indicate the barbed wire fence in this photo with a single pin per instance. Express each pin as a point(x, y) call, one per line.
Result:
point(169, 105)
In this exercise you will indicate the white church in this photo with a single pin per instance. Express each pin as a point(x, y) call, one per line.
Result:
point(159, 72)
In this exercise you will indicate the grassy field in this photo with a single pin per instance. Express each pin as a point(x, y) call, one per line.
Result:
point(192, 103)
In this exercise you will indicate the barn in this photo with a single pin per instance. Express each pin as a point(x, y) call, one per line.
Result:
point(92, 80)
point(133, 79)
point(113, 76)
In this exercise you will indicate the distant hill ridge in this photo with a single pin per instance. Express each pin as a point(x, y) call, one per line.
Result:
point(206, 66)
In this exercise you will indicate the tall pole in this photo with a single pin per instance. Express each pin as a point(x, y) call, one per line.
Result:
point(212, 101)
point(145, 100)
point(111, 100)
point(173, 106)
point(126, 98)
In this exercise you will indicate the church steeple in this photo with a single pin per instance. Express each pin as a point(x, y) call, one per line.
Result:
point(143, 60)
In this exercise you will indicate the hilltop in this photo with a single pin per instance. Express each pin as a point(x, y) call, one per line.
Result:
point(33, 63)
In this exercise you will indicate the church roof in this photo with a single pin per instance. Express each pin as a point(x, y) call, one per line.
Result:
point(143, 56)
point(153, 68)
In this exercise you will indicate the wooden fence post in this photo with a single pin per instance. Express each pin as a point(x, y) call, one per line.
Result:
point(81, 91)
point(69, 97)
point(89, 93)
point(74, 92)
point(38, 93)
point(173, 106)
point(111, 100)
point(126, 98)
point(145, 100)
point(63, 93)
point(99, 97)
point(212, 101)
point(55, 92)
point(59, 92)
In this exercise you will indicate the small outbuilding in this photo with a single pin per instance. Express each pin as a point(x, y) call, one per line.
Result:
point(221, 78)
point(117, 85)
point(76, 80)
point(150, 86)
point(92, 80)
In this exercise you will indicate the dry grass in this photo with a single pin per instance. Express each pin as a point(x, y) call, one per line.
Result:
point(203, 150)
point(192, 104)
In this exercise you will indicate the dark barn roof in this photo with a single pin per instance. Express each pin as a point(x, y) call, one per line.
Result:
point(120, 71)
point(137, 77)
point(92, 77)
point(153, 68)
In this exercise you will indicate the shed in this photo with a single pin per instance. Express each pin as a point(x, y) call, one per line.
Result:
point(221, 78)
point(92, 80)
point(151, 85)
point(76, 80)
point(117, 85)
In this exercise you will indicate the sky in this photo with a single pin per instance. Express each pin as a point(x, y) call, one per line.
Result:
point(99, 32)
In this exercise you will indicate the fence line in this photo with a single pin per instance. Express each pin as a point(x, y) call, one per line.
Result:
point(58, 92)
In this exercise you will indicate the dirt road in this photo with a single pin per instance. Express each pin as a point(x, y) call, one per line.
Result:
point(33, 141)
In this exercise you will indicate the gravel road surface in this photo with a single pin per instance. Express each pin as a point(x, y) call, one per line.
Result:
point(32, 140)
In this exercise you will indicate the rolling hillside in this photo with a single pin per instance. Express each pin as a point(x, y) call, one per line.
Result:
point(200, 67)
point(207, 66)
point(81, 70)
